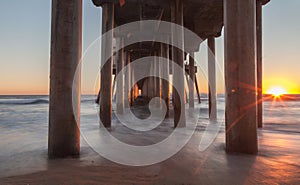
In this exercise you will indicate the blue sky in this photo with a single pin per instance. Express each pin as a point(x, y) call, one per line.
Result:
point(25, 45)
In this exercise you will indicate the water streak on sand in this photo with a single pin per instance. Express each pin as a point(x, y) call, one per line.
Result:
point(24, 128)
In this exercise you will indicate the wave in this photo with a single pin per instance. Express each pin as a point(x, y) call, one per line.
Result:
point(281, 130)
point(88, 100)
point(33, 101)
point(23, 101)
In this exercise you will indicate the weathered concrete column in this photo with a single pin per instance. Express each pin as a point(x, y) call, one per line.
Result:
point(178, 75)
point(157, 80)
point(259, 63)
point(66, 41)
point(165, 74)
point(198, 90)
point(157, 74)
point(152, 80)
point(240, 76)
point(120, 83)
point(132, 90)
point(212, 78)
point(192, 80)
point(127, 81)
point(106, 73)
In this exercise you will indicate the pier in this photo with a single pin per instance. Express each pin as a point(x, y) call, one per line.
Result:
point(242, 24)
point(150, 92)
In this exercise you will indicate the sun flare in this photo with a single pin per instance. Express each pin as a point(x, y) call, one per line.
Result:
point(277, 91)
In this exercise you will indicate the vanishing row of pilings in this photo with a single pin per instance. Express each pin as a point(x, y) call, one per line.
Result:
point(243, 74)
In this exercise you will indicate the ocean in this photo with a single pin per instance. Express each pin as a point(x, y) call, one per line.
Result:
point(27, 113)
point(24, 124)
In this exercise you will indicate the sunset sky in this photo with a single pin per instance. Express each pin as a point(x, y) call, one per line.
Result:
point(25, 46)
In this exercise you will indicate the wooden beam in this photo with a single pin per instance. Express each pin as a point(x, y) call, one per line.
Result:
point(66, 42)
point(240, 76)
point(157, 79)
point(185, 91)
point(132, 90)
point(198, 90)
point(106, 71)
point(212, 78)
point(178, 75)
point(165, 74)
point(192, 80)
point(120, 82)
point(259, 63)
point(127, 81)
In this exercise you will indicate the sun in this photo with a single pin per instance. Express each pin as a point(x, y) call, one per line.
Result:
point(277, 91)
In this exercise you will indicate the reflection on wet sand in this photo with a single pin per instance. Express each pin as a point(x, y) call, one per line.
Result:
point(277, 162)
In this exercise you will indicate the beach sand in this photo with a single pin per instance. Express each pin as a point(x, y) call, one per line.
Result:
point(278, 162)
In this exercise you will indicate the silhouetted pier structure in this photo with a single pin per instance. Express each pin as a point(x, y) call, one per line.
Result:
point(243, 64)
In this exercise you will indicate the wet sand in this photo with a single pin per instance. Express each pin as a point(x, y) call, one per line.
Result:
point(278, 162)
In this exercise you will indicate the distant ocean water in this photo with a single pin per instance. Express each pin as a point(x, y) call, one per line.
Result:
point(24, 126)
point(21, 111)
point(24, 119)
point(282, 114)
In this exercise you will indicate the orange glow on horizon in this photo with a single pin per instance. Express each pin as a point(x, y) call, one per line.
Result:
point(277, 91)
point(288, 86)
point(277, 86)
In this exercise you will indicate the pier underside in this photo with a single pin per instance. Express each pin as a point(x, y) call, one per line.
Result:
point(172, 61)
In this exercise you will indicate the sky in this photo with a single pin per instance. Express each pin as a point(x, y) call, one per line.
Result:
point(25, 47)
